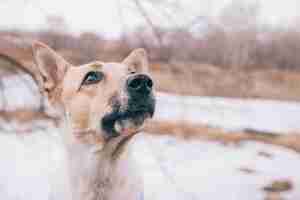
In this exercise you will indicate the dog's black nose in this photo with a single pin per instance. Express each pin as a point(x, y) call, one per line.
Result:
point(140, 84)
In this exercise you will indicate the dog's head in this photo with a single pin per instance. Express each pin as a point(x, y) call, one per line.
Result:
point(100, 101)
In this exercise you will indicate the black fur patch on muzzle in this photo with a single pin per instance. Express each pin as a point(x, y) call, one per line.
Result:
point(136, 110)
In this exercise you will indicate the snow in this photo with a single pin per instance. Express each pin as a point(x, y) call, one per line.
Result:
point(32, 165)
point(176, 169)
point(31, 168)
point(231, 113)
point(19, 92)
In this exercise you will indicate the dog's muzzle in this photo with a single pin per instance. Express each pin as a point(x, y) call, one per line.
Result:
point(129, 116)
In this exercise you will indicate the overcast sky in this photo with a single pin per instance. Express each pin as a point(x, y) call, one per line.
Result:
point(103, 16)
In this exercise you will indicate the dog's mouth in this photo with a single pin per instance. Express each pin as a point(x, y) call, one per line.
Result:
point(128, 121)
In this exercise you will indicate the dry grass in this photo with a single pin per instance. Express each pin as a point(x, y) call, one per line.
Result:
point(276, 187)
point(189, 77)
point(23, 116)
point(279, 186)
point(208, 80)
point(184, 130)
point(194, 131)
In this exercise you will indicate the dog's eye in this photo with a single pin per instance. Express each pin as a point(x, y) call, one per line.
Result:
point(92, 77)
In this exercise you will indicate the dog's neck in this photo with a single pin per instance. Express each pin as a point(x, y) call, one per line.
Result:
point(97, 174)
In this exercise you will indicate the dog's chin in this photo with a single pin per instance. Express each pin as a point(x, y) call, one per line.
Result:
point(120, 127)
point(130, 126)
point(124, 124)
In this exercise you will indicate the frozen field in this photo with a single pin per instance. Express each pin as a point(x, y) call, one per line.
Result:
point(231, 113)
point(173, 169)
point(176, 169)
point(31, 168)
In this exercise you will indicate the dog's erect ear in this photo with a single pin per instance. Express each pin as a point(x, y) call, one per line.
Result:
point(51, 66)
point(137, 61)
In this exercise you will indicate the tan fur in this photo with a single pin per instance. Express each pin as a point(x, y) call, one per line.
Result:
point(98, 170)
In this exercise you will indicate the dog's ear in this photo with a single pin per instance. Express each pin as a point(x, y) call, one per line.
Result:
point(51, 66)
point(137, 61)
point(51, 69)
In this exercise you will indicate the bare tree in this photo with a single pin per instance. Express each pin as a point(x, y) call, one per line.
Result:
point(149, 21)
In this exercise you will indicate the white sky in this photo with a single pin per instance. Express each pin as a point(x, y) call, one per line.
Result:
point(102, 16)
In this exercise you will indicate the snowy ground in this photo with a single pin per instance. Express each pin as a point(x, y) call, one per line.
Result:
point(231, 113)
point(176, 169)
point(31, 166)
point(173, 168)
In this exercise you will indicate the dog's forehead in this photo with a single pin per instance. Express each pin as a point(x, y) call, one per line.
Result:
point(103, 66)
point(114, 67)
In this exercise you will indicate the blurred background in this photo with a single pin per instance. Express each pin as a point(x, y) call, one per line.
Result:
point(227, 74)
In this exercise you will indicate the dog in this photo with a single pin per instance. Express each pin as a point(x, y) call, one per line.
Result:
point(100, 107)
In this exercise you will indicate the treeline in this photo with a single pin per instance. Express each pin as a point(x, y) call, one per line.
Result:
point(255, 48)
